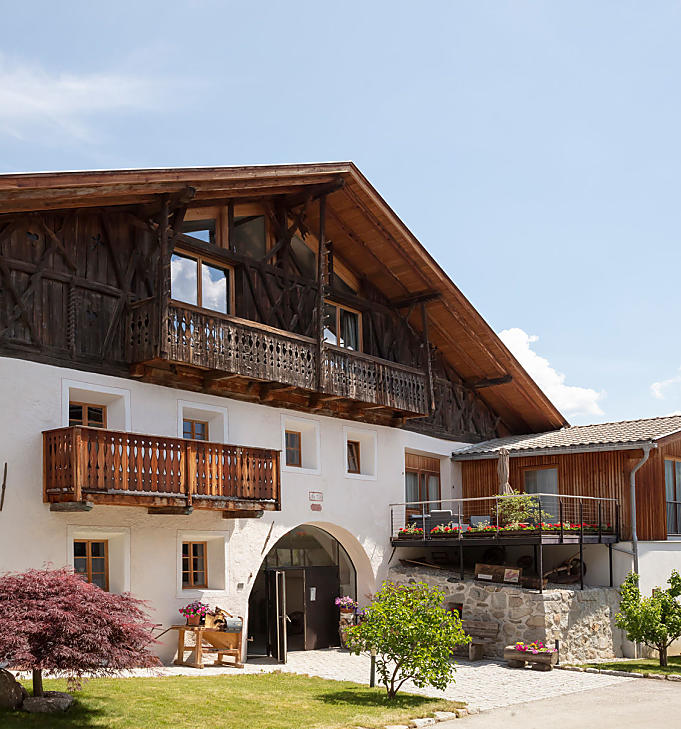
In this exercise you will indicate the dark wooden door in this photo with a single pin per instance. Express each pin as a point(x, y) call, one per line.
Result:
point(276, 594)
point(322, 585)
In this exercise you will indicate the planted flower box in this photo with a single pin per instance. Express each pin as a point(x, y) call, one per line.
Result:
point(539, 656)
point(410, 532)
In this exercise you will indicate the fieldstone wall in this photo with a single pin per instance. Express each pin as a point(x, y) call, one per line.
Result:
point(582, 620)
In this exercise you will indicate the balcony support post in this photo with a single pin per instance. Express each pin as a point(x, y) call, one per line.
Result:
point(321, 279)
point(163, 276)
point(426, 354)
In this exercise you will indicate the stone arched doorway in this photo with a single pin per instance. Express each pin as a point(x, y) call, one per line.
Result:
point(291, 605)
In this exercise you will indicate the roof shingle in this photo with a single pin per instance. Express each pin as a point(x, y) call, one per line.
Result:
point(632, 433)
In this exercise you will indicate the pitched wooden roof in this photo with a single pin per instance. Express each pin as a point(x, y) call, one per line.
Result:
point(367, 235)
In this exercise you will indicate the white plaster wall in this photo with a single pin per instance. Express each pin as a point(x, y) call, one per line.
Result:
point(354, 510)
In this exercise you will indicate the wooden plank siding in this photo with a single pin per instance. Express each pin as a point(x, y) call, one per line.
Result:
point(600, 474)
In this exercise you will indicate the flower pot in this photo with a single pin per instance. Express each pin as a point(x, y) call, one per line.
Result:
point(193, 620)
point(347, 611)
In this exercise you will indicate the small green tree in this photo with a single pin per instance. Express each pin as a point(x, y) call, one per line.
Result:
point(655, 620)
point(412, 634)
point(521, 508)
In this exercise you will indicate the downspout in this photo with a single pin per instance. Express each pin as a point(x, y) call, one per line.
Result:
point(632, 485)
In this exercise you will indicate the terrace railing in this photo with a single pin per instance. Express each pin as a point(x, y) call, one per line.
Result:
point(506, 516)
point(108, 466)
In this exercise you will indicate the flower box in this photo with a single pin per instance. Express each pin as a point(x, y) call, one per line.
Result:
point(541, 660)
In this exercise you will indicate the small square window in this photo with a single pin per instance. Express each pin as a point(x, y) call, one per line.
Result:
point(353, 456)
point(293, 448)
point(91, 416)
point(194, 429)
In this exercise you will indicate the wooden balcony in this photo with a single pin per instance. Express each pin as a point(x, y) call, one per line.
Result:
point(85, 466)
point(220, 347)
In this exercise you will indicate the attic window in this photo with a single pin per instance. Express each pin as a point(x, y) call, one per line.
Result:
point(203, 230)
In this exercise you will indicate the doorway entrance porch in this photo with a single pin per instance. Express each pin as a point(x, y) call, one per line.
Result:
point(291, 606)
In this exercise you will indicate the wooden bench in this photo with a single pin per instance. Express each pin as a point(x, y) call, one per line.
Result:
point(481, 632)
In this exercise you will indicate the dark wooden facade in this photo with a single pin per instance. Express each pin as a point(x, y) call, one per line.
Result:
point(603, 474)
point(85, 283)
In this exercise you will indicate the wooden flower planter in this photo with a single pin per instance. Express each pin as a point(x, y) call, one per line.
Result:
point(537, 661)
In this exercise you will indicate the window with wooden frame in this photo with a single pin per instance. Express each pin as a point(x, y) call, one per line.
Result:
point(91, 416)
point(342, 326)
point(203, 230)
point(91, 561)
point(353, 453)
point(422, 481)
point(672, 485)
point(194, 565)
point(194, 429)
point(201, 282)
point(294, 454)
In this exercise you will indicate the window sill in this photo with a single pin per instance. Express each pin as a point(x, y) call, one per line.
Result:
point(209, 593)
point(361, 476)
point(299, 469)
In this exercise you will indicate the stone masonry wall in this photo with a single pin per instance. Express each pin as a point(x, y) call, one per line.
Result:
point(582, 620)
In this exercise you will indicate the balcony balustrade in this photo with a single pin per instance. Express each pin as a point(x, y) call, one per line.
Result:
point(219, 343)
point(117, 468)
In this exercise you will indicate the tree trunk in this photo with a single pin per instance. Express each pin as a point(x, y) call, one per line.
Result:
point(663, 655)
point(37, 682)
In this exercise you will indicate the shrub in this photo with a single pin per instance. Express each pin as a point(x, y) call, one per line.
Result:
point(412, 634)
point(655, 620)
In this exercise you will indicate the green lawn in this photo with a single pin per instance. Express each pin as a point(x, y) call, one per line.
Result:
point(642, 665)
point(262, 701)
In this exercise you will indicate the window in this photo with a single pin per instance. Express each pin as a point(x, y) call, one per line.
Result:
point(249, 235)
point(194, 429)
point(672, 484)
point(203, 230)
point(194, 567)
point(543, 481)
point(92, 416)
point(293, 448)
point(91, 561)
point(422, 481)
point(196, 281)
point(353, 448)
point(342, 326)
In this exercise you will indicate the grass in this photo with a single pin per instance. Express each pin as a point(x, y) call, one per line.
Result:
point(641, 665)
point(261, 701)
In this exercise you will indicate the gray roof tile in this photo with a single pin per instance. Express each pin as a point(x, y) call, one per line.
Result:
point(578, 437)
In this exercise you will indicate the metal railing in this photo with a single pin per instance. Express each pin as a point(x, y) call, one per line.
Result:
point(506, 516)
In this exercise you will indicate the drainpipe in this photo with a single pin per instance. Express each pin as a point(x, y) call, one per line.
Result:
point(632, 484)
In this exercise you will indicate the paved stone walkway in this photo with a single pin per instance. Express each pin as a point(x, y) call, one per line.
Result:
point(483, 685)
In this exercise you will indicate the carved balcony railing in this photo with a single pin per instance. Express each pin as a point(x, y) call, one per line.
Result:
point(110, 467)
point(361, 377)
point(212, 341)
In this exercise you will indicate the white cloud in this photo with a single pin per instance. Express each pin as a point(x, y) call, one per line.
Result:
point(658, 389)
point(569, 399)
point(35, 102)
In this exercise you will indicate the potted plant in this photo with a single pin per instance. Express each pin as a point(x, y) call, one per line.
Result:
point(195, 612)
point(445, 530)
point(346, 604)
point(410, 532)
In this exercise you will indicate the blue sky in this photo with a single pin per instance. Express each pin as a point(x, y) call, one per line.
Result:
point(533, 147)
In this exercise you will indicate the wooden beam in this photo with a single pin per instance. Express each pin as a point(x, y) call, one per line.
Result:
point(420, 298)
point(426, 354)
point(490, 382)
point(182, 510)
point(68, 506)
point(321, 272)
point(243, 513)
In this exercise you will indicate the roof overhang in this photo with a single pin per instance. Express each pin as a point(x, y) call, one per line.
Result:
point(557, 451)
point(367, 235)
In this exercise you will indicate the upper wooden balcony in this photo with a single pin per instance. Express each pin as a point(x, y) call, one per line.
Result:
point(220, 347)
point(84, 466)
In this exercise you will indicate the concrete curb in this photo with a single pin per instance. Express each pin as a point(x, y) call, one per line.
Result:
point(432, 720)
point(623, 674)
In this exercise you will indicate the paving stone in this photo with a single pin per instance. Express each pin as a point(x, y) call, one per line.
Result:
point(426, 721)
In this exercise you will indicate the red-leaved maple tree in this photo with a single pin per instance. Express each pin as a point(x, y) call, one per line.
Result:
point(53, 621)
